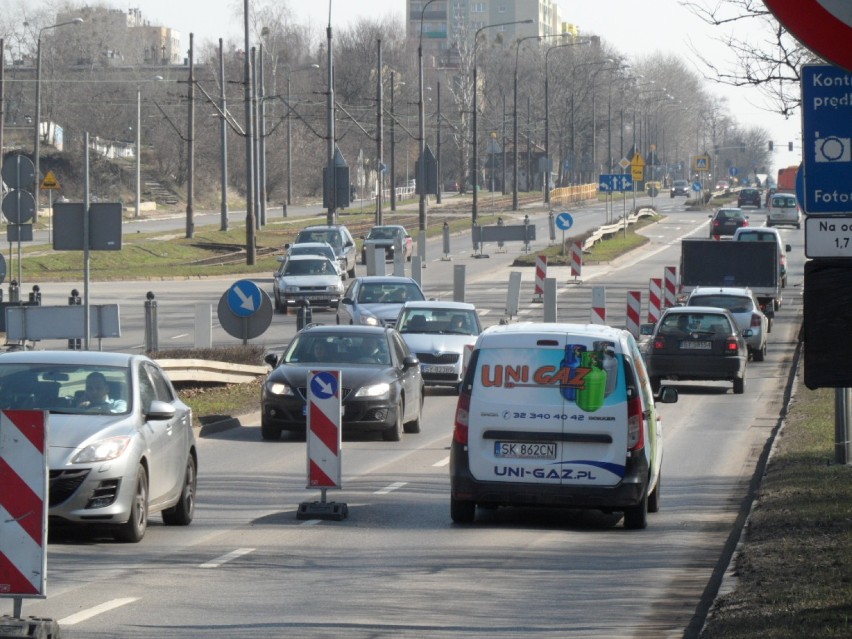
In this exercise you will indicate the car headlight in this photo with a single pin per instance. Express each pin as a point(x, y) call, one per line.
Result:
point(335, 288)
point(376, 391)
point(279, 388)
point(103, 450)
point(291, 289)
point(369, 319)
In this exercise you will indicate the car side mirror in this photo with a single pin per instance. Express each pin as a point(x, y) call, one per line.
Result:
point(160, 410)
point(347, 300)
point(647, 329)
point(769, 312)
point(409, 361)
point(788, 248)
point(668, 395)
point(271, 359)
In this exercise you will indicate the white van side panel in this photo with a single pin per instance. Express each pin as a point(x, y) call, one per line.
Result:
point(554, 414)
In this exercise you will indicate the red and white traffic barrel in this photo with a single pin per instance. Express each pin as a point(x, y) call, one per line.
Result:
point(540, 276)
point(576, 259)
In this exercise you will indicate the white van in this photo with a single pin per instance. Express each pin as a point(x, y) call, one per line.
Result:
point(557, 415)
point(784, 209)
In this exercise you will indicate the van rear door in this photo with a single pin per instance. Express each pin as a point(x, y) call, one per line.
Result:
point(548, 408)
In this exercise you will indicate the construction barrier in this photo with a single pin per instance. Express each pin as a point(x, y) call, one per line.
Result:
point(634, 306)
point(670, 277)
point(540, 276)
point(598, 305)
point(655, 285)
point(576, 259)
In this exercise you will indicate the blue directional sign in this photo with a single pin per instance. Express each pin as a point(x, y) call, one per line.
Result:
point(826, 139)
point(615, 182)
point(696, 186)
point(564, 221)
point(324, 385)
point(244, 298)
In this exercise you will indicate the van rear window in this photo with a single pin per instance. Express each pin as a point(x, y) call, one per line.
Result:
point(586, 373)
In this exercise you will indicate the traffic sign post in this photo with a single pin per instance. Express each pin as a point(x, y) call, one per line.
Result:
point(564, 221)
point(324, 444)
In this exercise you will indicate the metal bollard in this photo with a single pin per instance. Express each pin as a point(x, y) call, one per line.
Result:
point(152, 335)
point(500, 242)
point(551, 225)
point(35, 295)
point(75, 343)
point(526, 234)
point(446, 237)
point(304, 315)
point(285, 209)
point(14, 291)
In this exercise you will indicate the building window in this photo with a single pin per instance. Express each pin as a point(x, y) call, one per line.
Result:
point(477, 7)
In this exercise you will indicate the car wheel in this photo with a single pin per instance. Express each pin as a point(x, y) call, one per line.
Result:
point(655, 384)
point(268, 432)
point(284, 308)
point(760, 354)
point(134, 528)
point(739, 385)
point(636, 517)
point(394, 433)
point(182, 512)
point(462, 512)
point(276, 302)
point(654, 497)
point(413, 426)
point(351, 273)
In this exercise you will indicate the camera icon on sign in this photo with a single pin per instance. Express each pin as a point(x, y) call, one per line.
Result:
point(833, 149)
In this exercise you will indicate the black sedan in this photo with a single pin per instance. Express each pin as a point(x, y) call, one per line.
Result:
point(749, 197)
point(726, 221)
point(382, 389)
point(697, 343)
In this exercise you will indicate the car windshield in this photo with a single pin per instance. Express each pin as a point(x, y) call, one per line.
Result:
point(447, 321)
point(734, 303)
point(389, 293)
point(338, 349)
point(64, 389)
point(757, 236)
point(684, 324)
point(320, 235)
point(726, 214)
point(312, 250)
point(309, 267)
point(382, 233)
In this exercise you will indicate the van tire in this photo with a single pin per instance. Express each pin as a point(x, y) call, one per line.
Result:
point(636, 517)
point(655, 384)
point(654, 497)
point(739, 385)
point(462, 512)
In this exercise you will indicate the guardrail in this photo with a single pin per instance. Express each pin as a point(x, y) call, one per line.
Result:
point(616, 227)
point(202, 370)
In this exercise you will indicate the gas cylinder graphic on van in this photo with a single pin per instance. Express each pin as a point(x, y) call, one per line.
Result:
point(591, 397)
point(572, 359)
point(610, 367)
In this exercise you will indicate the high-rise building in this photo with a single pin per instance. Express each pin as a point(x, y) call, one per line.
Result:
point(447, 22)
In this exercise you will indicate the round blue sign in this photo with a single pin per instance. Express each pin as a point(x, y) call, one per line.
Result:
point(696, 186)
point(324, 385)
point(244, 298)
point(564, 221)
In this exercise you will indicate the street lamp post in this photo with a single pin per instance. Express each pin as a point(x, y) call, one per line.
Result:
point(515, 123)
point(290, 130)
point(37, 122)
point(421, 173)
point(547, 114)
point(573, 82)
point(475, 181)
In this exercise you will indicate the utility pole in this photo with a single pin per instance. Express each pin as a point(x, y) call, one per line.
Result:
point(190, 182)
point(250, 236)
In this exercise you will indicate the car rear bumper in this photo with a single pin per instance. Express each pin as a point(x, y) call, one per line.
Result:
point(628, 492)
point(692, 367)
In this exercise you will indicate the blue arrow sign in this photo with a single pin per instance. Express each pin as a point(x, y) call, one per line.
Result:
point(564, 221)
point(244, 298)
point(626, 182)
point(324, 385)
point(696, 186)
point(618, 182)
point(827, 138)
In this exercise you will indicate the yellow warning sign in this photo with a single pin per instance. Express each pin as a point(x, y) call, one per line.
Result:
point(50, 183)
point(637, 167)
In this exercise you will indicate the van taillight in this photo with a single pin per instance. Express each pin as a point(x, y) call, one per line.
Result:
point(460, 430)
point(635, 426)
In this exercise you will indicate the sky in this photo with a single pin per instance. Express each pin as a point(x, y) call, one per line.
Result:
point(634, 27)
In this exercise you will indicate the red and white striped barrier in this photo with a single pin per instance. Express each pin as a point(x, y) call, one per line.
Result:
point(634, 306)
point(324, 435)
point(598, 305)
point(540, 276)
point(576, 259)
point(23, 511)
point(655, 286)
point(670, 278)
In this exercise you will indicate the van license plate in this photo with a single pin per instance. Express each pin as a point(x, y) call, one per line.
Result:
point(443, 370)
point(524, 450)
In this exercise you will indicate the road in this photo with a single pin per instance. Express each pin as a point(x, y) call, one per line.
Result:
point(397, 567)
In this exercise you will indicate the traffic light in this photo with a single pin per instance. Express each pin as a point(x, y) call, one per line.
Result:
point(789, 146)
point(770, 145)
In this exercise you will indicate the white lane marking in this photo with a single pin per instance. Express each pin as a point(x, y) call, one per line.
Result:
point(445, 461)
point(525, 311)
point(389, 489)
point(179, 336)
point(83, 615)
point(311, 522)
point(234, 554)
point(483, 311)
